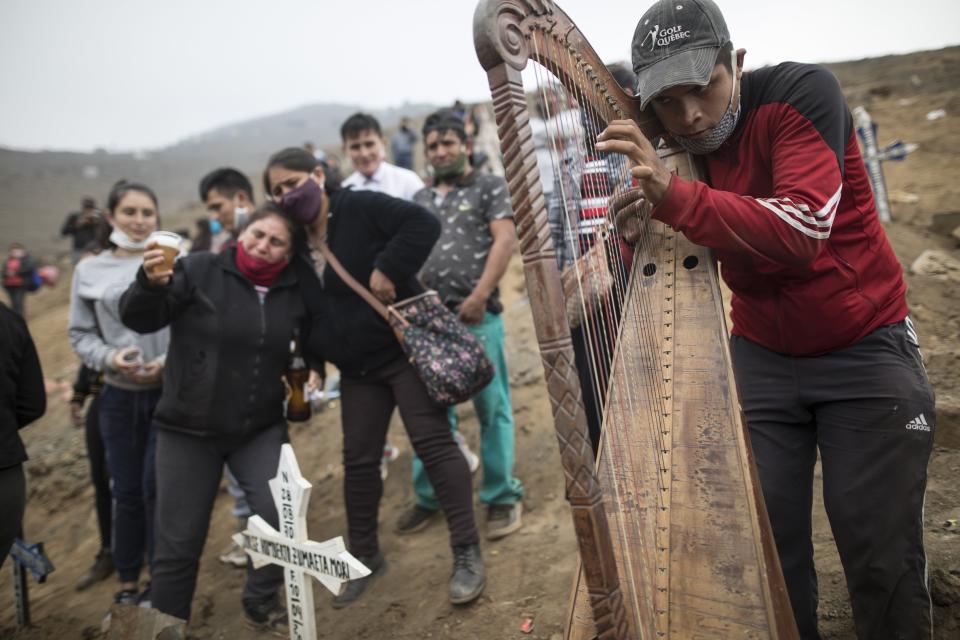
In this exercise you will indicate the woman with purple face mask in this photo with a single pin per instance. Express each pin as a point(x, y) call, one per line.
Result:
point(382, 242)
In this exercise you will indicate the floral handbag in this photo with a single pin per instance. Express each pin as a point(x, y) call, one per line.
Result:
point(448, 358)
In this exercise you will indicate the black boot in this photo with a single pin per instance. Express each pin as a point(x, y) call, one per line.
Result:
point(101, 569)
point(377, 565)
point(266, 614)
point(469, 575)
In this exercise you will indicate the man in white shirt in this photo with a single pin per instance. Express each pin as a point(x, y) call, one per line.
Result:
point(363, 143)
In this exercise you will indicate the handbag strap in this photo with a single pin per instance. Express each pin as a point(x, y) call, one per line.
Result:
point(361, 291)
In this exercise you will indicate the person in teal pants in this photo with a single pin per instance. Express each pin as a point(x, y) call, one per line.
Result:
point(477, 239)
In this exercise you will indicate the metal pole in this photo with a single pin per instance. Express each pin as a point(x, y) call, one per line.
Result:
point(867, 130)
point(21, 594)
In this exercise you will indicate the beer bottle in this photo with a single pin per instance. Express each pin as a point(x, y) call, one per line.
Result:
point(298, 406)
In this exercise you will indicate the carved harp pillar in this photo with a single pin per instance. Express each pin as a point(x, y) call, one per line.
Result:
point(673, 536)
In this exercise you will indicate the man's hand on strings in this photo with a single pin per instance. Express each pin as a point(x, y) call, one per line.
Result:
point(625, 137)
point(628, 209)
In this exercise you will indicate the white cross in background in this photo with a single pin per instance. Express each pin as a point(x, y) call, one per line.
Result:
point(329, 562)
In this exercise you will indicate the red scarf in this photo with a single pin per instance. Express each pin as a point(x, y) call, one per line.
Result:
point(257, 270)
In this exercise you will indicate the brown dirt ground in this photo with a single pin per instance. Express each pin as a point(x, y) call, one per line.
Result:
point(529, 572)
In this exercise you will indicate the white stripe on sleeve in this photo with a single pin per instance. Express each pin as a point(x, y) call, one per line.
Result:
point(816, 225)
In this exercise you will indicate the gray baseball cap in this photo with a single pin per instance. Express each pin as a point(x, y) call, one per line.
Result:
point(677, 42)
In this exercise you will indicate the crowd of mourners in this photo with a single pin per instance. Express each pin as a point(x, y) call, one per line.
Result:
point(186, 361)
point(185, 364)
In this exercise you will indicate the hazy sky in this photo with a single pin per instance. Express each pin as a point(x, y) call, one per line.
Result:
point(127, 74)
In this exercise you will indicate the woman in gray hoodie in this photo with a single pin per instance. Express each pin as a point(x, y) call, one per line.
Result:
point(132, 365)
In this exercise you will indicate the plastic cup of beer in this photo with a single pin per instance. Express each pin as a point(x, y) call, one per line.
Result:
point(169, 243)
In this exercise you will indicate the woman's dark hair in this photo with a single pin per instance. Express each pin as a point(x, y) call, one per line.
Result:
point(272, 209)
point(298, 159)
point(122, 188)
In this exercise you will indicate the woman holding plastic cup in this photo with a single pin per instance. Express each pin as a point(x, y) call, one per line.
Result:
point(232, 316)
point(132, 364)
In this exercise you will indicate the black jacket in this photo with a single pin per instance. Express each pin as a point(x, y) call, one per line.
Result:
point(227, 350)
point(22, 395)
point(366, 230)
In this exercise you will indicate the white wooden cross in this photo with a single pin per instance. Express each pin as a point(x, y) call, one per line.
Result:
point(329, 562)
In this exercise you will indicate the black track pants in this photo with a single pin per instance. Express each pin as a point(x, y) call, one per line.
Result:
point(869, 410)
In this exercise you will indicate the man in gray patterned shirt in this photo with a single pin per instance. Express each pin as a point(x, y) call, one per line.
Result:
point(465, 268)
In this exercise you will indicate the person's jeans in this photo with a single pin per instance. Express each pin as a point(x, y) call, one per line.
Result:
point(99, 475)
point(130, 441)
point(495, 414)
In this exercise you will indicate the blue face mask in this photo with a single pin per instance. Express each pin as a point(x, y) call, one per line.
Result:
point(215, 226)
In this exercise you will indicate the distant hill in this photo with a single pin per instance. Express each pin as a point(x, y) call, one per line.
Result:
point(38, 189)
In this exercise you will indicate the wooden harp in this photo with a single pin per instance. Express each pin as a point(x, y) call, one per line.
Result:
point(673, 536)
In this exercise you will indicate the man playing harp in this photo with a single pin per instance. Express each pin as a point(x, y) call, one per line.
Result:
point(824, 353)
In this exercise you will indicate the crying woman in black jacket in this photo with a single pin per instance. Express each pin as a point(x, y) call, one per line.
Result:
point(231, 318)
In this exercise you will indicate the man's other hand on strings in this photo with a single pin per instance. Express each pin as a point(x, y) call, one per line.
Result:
point(624, 137)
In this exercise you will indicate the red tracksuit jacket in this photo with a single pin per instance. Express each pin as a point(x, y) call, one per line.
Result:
point(791, 218)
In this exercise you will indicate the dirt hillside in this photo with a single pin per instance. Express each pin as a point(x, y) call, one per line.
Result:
point(530, 572)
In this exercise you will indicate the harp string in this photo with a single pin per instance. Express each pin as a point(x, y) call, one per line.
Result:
point(608, 315)
point(602, 324)
point(644, 360)
point(569, 198)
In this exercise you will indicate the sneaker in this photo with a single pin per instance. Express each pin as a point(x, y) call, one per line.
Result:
point(266, 614)
point(331, 390)
point(354, 588)
point(469, 575)
point(473, 461)
point(390, 453)
point(126, 596)
point(503, 519)
point(414, 519)
point(235, 556)
point(143, 598)
point(101, 570)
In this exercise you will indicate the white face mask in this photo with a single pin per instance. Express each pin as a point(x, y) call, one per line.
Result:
point(711, 141)
point(124, 241)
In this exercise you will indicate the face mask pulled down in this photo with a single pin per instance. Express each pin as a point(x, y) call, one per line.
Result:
point(712, 139)
point(452, 170)
point(124, 241)
point(303, 203)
